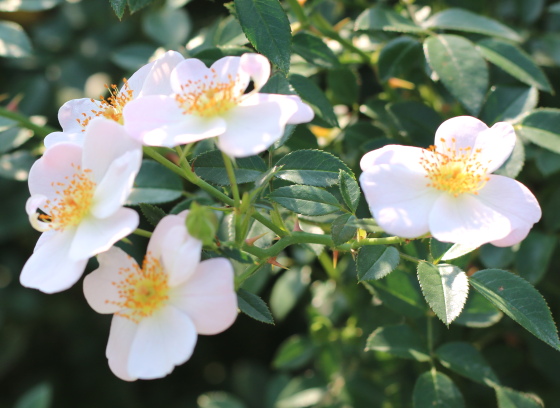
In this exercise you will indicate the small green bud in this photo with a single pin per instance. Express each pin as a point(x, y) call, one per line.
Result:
point(202, 223)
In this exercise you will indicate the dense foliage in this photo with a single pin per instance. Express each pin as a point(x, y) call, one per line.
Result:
point(337, 313)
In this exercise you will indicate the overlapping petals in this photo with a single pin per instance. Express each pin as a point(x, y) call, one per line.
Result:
point(75, 115)
point(77, 197)
point(160, 308)
point(211, 102)
point(449, 190)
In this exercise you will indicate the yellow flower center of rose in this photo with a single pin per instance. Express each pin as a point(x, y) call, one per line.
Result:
point(142, 291)
point(72, 203)
point(455, 170)
point(209, 96)
point(110, 107)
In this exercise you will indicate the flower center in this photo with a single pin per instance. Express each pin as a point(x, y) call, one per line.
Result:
point(209, 97)
point(142, 291)
point(73, 201)
point(457, 171)
point(110, 107)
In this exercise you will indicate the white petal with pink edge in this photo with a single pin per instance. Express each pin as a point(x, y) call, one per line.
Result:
point(181, 255)
point(162, 341)
point(73, 112)
point(407, 156)
point(208, 297)
point(257, 67)
point(122, 334)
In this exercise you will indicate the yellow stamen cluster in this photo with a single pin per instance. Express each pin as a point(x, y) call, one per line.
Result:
point(73, 201)
point(455, 170)
point(209, 97)
point(110, 107)
point(142, 291)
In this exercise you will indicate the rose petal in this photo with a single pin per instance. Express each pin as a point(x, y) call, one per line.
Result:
point(162, 341)
point(188, 75)
point(407, 156)
point(495, 145)
point(99, 286)
point(303, 113)
point(157, 80)
point(208, 297)
point(121, 336)
point(257, 67)
point(458, 133)
point(229, 69)
point(61, 137)
point(95, 235)
point(74, 110)
point(181, 255)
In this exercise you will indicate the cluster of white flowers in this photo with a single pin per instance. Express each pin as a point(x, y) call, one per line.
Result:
point(80, 184)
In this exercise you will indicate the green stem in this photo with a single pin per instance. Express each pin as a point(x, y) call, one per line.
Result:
point(232, 180)
point(430, 338)
point(24, 121)
point(327, 264)
point(373, 241)
point(247, 273)
point(142, 233)
point(409, 258)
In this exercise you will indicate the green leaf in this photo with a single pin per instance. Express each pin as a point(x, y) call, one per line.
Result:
point(534, 256)
point(460, 67)
point(379, 18)
point(542, 127)
point(400, 341)
point(547, 162)
point(167, 26)
point(515, 162)
point(314, 50)
point(219, 399)
point(445, 288)
point(478, 312)
point(210, 167)
point(376, 261)
point(266, 26)
point(400, 292)
point(467, 361)
point(515, 62)
point(294, 353)
point(155, 184)
point(349, 189)
point(367, 224)
point(288, 289)
point(16, 166)
point(518, 299)
point(14, 42)
point(311, 167)
point(133, 56)
point(341, 231)
point(342, 86)
point(436, 390)
point(39, 396)
point(508, 398)
point(305, 200)
point(253, 306)
point(27, 5)
point(118, 6)
point(397, 56)
point(416, 120)
point(438, 249)
point(152, 213)
point(278, 84)
point(496, 257)
point(456, 251)
point(135, 5)
point(314, 96)
point(462, 20)
point(508, 102)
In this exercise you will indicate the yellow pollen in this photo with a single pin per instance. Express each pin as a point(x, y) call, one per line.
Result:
point(455, 170)
point(110, 107)
point(209, 97)
point(142, 291)
point(73, 201)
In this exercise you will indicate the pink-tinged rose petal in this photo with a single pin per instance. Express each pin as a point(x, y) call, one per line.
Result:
point(257, 67)
point(407, 156)
point(99, 286)
point(121, 336)
point(75, 109)
point(101, 134)
point(113, 190)
point(34, 203)
point(162, 341)
point(155, 246)
point(58, 163)
point(494, 145)
point(229, 69)
point(181, 255)
point(458, 133)
point(208, 297)
point(399, 199)
point(49, 269)
point(159, 121)
point(60, 137)
point(136, 80)
point(253, 129)
point(303, 113)
point(157, 80)
point(514, 237)
point(188, 75)
point(94, 235)
point(467, 220)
